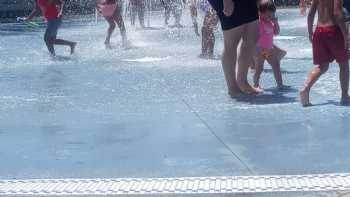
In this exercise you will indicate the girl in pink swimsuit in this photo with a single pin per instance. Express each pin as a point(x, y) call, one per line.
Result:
point(112, 14)
point(266, 50)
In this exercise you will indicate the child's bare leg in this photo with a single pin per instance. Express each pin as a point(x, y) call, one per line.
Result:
point(278, 52)
point(167, 13)
point(229, 58)
point(50, 45)
point(141, 13)
point(212, 23)
point(205, 36)
point(344, 82)
point(133, 14)
point(66, 43)
point(211, 43)
point(311, 80)
point(110, 30)
point(275, 63)
point(247, 51)
point(204, 42)
point(259, 67)
point(120, 22)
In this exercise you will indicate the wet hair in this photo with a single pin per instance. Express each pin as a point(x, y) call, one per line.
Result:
point(266, 5)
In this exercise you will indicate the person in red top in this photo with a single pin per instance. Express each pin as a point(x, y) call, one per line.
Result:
point(52, 12)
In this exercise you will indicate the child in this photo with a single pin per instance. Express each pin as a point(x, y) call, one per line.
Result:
point(173, 7)
point(268, 27)
point(112, 13)
point(303, 4)
point(52, 11)
point(210, 22)
point(329, 43)
point(138, 8)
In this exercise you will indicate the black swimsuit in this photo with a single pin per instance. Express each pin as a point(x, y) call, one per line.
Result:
point(245, 11)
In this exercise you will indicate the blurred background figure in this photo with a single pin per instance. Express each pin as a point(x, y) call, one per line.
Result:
point(137, 7)
point(173, 7)
point(210, 22)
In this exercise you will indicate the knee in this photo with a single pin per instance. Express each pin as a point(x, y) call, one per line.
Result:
point(48, 39)
point(324, 68)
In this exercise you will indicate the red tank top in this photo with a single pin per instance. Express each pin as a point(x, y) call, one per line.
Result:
point(49, 10)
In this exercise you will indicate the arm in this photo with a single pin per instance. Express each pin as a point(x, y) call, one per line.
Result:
point(276, 26)
point(311, 18)
point(35, 11)
point(339, 18)
point(61, 2)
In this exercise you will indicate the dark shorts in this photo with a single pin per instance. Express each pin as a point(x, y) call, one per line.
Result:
point(245, 11)
point(328, 45)
point(52, 28)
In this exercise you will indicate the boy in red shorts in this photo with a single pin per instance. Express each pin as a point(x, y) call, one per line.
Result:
point(329, 43)
point(52, 11)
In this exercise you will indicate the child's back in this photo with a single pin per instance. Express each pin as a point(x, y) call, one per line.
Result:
point(329, 43)
point(325, 9)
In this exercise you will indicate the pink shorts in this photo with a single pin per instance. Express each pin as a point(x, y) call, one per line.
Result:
point(108, 9)
point(328, 45)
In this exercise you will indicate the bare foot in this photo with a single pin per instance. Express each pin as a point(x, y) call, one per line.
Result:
point(203, 56)
point(72, 48)
point(259, 88)
point(345, 101)
point(235, 93)
point(108, 45)
point(304, 98)
point(249, 90)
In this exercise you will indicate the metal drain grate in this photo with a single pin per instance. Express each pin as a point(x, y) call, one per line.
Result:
point(189, 185)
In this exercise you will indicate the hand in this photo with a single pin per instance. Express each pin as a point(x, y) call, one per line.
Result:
point(60, 15)
point(310, 37)
point(228, 7)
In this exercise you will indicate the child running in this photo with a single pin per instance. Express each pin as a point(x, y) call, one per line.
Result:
point(52, 11)
point(113, 14)
point(268, 27)
point(329, 43)
point(210, 22)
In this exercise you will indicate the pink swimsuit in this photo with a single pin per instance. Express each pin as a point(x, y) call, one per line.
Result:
point(107, 9)
point(266, 33)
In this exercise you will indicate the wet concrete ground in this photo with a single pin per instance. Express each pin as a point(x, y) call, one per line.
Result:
point(156, 110)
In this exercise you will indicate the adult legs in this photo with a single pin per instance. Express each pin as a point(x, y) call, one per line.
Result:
point(247, 51)
point(229, 58)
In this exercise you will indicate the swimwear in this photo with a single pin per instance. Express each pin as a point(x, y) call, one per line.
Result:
point(266, 33)
point(265, 53)
point(49, 10)
point(328, 45)
point(107, 10)
point(245, 11)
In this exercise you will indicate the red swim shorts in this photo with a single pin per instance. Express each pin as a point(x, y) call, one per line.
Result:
point(328, 45)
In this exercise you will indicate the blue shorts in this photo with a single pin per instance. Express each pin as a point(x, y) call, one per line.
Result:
point(52, 28)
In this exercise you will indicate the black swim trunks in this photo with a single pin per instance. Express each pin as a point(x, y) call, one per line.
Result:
point(245, 11)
